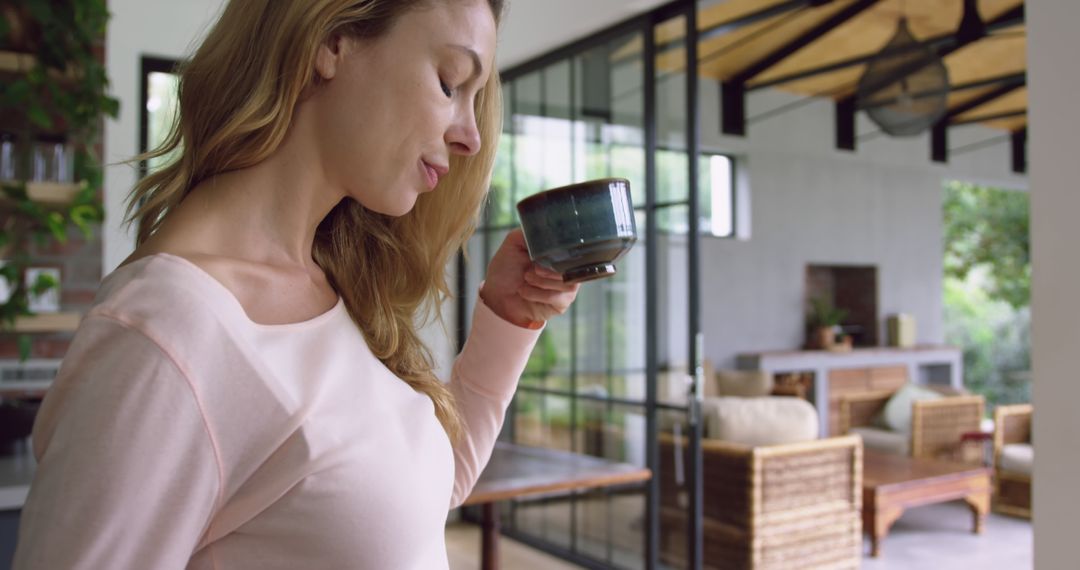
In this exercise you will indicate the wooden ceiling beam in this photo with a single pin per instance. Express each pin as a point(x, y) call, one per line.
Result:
point(845, 125)
point(939, 140)
point(1020, 76)
point(945, 44)
point(733, 89)
point(977, 84)
point(965, 36)
point(1019, 151)
point(989, 117)
point(728, 26)
point(1003, 90)
point(735, 24)
point(803, 40)
point(957, 41)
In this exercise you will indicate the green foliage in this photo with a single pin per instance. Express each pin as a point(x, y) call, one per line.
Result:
point(824, 314)
point(543, 358)
point(987, 227)
point(498, 211)
point(25, 344)
point(987, 289)
point(995, 339)
point(43, 283)
point(65, 91)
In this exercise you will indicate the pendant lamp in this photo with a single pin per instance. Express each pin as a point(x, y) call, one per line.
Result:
point(905, 87)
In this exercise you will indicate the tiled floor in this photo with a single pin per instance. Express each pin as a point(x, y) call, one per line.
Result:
point(463, 549)
point(939, 537)
point(934, 537)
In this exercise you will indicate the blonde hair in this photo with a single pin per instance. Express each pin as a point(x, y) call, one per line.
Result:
point(237, 95)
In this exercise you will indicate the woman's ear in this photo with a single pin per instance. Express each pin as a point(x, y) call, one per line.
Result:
point(328, 57)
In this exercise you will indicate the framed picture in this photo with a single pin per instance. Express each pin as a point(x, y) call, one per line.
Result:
point(48, 301)
point(6, 289)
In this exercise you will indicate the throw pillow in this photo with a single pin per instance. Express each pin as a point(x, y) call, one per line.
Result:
point(759, 421)
point(897, 413)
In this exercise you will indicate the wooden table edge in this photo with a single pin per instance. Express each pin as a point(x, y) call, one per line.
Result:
point(635, 476)
point(923, 481)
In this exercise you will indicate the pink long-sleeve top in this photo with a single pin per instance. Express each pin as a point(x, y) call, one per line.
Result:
point(180, 434)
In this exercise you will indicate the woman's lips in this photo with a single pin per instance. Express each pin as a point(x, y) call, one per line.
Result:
point(433, 173)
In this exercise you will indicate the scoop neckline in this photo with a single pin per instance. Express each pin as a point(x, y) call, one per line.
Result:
point(227, 293)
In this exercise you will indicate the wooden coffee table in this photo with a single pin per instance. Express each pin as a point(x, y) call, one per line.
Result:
point(892, 483)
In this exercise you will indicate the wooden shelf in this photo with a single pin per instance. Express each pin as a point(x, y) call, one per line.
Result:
point(49, 193)
point(47, 322)
point(16, 61)
point(20, 62)
point(52, 192)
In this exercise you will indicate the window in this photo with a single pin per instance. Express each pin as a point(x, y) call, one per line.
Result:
point(715, 193)
point(717, 196)
point(160, 100)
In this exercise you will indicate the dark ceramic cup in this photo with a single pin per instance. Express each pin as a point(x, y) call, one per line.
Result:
point(580, 230)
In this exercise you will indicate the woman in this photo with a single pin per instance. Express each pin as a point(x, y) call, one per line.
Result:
point(249, 390)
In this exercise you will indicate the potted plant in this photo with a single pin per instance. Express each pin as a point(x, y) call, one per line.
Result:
point(824, 320)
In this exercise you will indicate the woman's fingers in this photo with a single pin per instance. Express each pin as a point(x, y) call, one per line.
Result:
point(545, 272)
point(546, 281)
point(555, 301)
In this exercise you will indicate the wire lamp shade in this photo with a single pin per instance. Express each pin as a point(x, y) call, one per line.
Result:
point(905, 87)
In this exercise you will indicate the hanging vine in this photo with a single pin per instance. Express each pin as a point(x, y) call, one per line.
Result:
point(62, 89)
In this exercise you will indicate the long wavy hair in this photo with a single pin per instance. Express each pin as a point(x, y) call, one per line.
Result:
point(236, 100)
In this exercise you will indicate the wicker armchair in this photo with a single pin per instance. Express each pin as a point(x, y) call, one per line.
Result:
point(794, 505)
point(936, 425)
point(1012, 487)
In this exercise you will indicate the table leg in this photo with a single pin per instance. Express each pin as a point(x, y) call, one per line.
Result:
point(877, 521)
point(980, 507)
point(489, 554)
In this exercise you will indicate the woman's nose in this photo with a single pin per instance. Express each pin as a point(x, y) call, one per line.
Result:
point(464, 137)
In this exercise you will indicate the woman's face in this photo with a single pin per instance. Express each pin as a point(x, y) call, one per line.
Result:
point(394, 109)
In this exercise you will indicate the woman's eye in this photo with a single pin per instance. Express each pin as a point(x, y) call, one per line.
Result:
point(446, 89)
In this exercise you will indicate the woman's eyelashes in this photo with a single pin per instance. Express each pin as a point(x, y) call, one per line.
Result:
point(446, 89)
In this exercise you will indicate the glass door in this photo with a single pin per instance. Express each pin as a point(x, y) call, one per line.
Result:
point(674, 207)
point(613, 377)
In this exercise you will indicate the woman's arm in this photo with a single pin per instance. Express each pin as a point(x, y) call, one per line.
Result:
point(483, 381)
point(516, 300)
point(128, 476)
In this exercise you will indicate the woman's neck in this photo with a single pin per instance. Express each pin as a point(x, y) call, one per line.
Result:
point(267, 213)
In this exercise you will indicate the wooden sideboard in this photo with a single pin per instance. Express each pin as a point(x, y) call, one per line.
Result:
point(860, 370)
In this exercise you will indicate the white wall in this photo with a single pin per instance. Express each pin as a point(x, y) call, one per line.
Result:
point(532, 27)
point(159, 28)
point(809, 203)
point(1054, 80)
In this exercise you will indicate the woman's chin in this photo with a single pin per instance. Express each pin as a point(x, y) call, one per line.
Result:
point(394, 209)
point(399, 209)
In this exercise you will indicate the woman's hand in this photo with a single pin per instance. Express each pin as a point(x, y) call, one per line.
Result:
point(522, 292)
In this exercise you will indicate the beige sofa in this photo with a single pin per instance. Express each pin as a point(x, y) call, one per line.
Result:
point(935, 426)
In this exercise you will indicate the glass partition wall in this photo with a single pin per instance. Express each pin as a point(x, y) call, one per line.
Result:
point(614, 377)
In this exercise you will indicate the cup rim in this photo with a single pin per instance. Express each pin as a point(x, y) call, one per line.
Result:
point(598, 182)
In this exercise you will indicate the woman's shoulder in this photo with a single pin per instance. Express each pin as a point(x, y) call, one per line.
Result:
point(163, 293)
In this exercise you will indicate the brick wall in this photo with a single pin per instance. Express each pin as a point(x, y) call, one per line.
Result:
point(80, 263)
